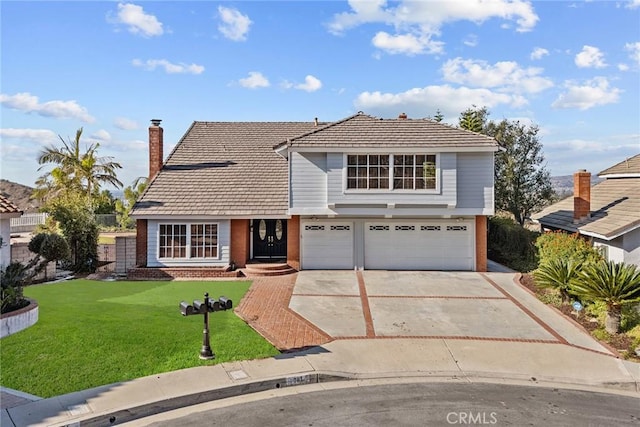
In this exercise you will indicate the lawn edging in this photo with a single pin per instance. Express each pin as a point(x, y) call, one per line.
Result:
point(18, 320)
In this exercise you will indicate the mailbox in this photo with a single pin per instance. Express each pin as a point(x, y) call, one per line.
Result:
point(199, 307)
point(186, 309)
point(214, 305)
point(225, 303)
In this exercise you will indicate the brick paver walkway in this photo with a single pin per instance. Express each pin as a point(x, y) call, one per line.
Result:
point(265, 307)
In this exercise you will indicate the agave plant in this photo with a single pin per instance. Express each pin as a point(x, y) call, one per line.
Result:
point(557, 274)
point(615, 284)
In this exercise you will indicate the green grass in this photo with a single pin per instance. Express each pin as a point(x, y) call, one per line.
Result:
point(92, 333)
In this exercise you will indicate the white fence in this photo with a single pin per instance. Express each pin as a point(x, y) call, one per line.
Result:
point(27, 222)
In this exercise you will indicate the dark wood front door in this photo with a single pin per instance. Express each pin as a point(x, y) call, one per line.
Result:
point(269, 238)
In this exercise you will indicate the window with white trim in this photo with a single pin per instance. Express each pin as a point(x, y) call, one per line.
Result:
point(188, 241)
point(391, 171)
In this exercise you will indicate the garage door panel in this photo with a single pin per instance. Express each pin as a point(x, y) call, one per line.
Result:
point(327, 245)
point(418, 245)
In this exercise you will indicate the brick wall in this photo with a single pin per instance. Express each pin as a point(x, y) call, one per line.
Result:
point(171, 273)
point(141, 243)
point(293, 242)
point(239, 251)
point(156, 142)
point(481, 243)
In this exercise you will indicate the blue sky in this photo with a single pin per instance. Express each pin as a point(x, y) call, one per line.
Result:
point(572, 68)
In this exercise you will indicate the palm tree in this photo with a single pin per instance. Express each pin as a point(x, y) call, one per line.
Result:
point(77, 170)
point(615, 284)
point(557, 273)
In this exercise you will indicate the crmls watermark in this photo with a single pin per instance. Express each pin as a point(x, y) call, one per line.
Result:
point(470, 418)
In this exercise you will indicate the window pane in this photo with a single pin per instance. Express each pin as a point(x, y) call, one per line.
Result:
point(373, 160)
point(352, 160)
point(362, 160)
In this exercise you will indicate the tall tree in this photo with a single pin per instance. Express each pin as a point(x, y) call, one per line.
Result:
point(124, 206)
point(76, 170)
point(522, 182)
point(474, 119)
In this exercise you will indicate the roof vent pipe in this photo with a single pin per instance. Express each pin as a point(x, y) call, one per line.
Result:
point(315, 121)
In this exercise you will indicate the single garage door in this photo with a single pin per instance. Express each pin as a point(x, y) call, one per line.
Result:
point(420, 245)
point(327, 245)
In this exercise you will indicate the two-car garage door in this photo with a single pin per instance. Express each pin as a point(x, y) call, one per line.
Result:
point(389, 245)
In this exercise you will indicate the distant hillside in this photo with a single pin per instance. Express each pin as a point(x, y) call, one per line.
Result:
point(563, 185)
point(19, 194)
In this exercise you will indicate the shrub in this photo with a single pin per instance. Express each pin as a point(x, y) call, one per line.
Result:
point(557, 273)
point(557, 244)
point(511, 244)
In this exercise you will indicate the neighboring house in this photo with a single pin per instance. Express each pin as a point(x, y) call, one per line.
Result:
point(362, 192)
point(608, 213)
point(7, 211)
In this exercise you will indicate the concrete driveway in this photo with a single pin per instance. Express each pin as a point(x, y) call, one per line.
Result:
point(429, 304)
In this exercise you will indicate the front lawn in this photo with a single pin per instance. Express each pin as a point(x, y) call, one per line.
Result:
point(92, 333)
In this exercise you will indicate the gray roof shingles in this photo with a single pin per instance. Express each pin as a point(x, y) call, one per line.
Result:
point(627, 166)
point(231, 168)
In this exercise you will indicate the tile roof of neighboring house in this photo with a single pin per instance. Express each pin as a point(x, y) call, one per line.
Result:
point(7, 207)
point(627, 166)
point(361, 130)
point(224, 168)
point(615, 209)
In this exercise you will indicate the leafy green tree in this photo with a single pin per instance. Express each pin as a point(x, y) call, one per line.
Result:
point(474, 119)
point(75, 170)
point(439, 116)
point(131, 195)
point(522, 182)
point(615, 284)
point(558, 274)
point(104, 202)
point(75, 218)
point(557, 244)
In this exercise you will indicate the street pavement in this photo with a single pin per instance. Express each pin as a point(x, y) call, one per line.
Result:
point(376, 325)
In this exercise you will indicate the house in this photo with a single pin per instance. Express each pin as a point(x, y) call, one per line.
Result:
point(608, 213)
point(7, 211)
point(362, 192)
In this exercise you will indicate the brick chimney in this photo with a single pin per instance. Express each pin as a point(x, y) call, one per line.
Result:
point(581, 195)
point(156, 142)
point(402, 116)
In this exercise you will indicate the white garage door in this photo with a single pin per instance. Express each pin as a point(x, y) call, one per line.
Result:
point(419, 245)
point(327, 245)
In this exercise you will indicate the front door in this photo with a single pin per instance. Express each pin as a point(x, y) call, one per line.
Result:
point(269, 238)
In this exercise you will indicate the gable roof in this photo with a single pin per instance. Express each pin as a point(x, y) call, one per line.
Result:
point(615, 210)
point(7, 207)
point(364, 131)
point(223, 168)
point(627, 167)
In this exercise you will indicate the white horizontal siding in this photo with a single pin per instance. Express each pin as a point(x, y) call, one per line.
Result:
point(308, 180)
point(224, 237)
point(475, 181)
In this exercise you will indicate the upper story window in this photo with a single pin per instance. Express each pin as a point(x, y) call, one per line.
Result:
point(391, 171)
point(188, 241)
point(368, 171)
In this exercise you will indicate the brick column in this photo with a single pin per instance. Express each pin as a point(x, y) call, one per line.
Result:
point(581, 195)
point(156, 144)
point(481, 243)
point(293, 242)
point(239, 250)
point(141, 243)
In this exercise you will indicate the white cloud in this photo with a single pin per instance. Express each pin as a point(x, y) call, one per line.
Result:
point(633, 4)
point(539, 52)
point(591, 94)
point(40, 136)
point(590, 57)
point(419, 102)
point(311, 84)
point(59, 109)
point(471, 40)
point(254, 81)
point(417, 22)
point(408, 44)
point(507, 75)
point(125, 124)
point(169, 68)
point(623, 67)
point(235, 25)
point(101, 135)
point(634, 51)
point(137, 21)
